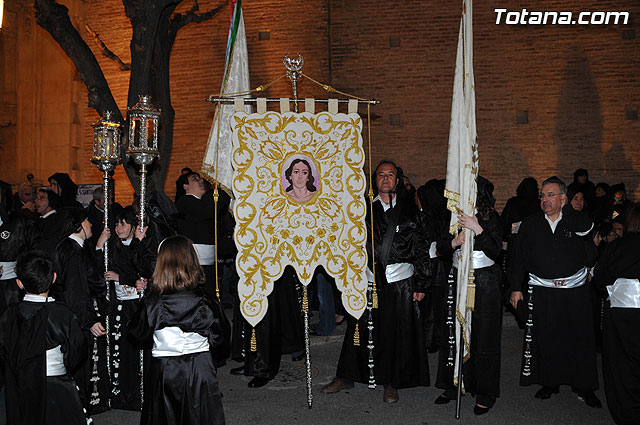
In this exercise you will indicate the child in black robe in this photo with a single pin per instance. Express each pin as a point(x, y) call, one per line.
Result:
point(177, 323)
point(41, 345)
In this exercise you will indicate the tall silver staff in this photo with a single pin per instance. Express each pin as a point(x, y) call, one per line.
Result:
point(143, 148)
point(294, 68)
point(106, 156)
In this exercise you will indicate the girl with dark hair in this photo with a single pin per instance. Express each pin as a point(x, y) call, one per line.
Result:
point(177, 323)
point(482, 370)
point(125, 358)
point(301, 180)
point(618, 273)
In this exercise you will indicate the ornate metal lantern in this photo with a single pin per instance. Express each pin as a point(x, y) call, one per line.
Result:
point(143, 142)
point(106, 143)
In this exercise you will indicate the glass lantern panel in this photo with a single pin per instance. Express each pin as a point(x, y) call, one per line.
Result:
point(150, 132)
point(135, 141)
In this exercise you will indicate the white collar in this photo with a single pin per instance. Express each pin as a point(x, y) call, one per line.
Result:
point(49, 213)
point(553, 224)
point(194, 195)
point(386, 206)
point(77, 239)
point(126, 242)
point(38, 298)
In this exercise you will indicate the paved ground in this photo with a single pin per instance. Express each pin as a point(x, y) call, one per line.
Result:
point(284, 400)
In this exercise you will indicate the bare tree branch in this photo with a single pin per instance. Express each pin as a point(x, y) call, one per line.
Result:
point(54, 18)
point(179, 20)
point(106, 51)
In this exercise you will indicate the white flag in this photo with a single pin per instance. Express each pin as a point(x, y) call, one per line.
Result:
point(217, 160)
point(462, 172)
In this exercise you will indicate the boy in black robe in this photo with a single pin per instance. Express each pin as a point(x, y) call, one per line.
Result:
point(41, 344)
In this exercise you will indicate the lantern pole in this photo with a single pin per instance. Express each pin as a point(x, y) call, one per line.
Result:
point(106, 156)
point(143, 148)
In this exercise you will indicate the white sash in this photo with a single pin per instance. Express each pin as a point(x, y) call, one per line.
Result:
point(577, 279)
point(480, 260)
point(8, 270)
point(55, 362)
point(206, 253)
point(625, 293)
point(172, 341)
point(398, 271)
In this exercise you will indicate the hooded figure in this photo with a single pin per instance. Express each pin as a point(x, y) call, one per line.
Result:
point(62, 184)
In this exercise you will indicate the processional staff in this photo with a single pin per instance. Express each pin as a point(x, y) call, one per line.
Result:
point(143, 148)
point(106, 156)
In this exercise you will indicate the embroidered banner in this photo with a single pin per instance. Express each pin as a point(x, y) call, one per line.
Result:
point(299, 185)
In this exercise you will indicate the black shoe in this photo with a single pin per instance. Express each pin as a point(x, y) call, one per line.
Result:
point(258, 382)
point(237, 370)
point(546, 392)
point(590, 399)
point(478, 410)
point(442, 399)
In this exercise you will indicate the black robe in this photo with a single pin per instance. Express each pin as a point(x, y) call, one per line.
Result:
point(621, 339)
point(182, 389)
point(197, 221)
point(482, 370)
point(125, 355)
point(78, 285)
point(563, 344)
point(27, 330)
point(400, 353)
point(48, 232)
point(281, 331)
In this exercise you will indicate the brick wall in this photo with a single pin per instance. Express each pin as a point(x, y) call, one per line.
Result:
point(577, 84)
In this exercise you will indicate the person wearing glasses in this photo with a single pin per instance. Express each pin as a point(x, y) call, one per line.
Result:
point(550, 254)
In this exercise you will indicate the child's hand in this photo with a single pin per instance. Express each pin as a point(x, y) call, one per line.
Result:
point(141, 284)
point(111, 275)
point(97, 329)
point(104, 237)
point(141, 233)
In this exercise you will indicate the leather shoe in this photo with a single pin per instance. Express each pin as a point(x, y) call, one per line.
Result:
point(590, 399)
point(546, 392)
point(237, 370)
point(258, 382)
point(336, 385)
point(390, 395)
point(442, 399)
point(479, 410)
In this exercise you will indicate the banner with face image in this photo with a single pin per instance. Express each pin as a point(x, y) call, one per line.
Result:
point(299, 187)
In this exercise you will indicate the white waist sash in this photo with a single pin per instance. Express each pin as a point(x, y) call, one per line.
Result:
point(126, 292)
point(577, 279)
point(55, 362)
point(206, 253)
point(8, 270)
point(398, 271)
point(480, 260)
point(625, 293)
point(172, 341)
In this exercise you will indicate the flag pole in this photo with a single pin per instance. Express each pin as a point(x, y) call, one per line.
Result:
point(459, 387)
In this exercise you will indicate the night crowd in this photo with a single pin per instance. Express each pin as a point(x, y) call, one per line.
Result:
point(147, 330)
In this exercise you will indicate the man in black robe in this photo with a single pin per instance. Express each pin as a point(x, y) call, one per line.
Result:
point(197, 221)
point(402, 276)
point(559, 345)
point(48, 228)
